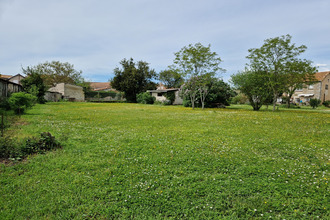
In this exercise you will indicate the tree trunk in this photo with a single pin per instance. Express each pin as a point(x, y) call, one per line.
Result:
point(274, 102)
point(192, 99)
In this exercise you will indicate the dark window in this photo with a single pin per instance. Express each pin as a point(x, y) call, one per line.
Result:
point(159, 94)
point(326, 87)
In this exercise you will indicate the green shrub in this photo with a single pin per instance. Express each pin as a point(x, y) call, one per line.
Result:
point(326, 104)
point(170, 96)
point(11, 149)
point(315, 102)
point(20, 101)
point(100, 94)
point(239, 99)
point(8, 148)
point(145, 98)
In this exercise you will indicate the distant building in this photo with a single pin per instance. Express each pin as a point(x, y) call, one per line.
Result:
point(100, 86)
point(7, 87)
point(319, 90)
point(69, 92)
point(16, 79)
point(159, 94)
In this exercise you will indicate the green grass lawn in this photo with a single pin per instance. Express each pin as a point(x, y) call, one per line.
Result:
point(149, 161)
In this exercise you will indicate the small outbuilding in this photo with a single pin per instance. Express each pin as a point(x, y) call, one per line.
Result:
point(69, 92)
point(159, 94)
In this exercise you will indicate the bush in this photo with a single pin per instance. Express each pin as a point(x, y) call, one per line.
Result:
point(100, 94)
point(145, 98)
point(314, 102)
point(239, 99)
point(10, 149)
point(170, 96)
point(326, 104)
point(20, 101)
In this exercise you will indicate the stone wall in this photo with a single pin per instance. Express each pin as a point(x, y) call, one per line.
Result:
point(69, 92)
point(53, 96)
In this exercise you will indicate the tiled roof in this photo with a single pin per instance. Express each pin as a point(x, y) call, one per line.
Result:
point(321, 75)
point(100, 85)
point(5, 76)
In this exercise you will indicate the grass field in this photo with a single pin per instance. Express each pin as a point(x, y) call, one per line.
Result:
point(147, 161)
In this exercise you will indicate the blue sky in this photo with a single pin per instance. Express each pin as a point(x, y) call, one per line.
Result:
point(96, 35)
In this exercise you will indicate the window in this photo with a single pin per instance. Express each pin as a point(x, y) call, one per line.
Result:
point(159, 94)
point(326, 87)
point(299, 89)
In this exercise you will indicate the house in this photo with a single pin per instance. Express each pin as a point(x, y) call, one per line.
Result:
point(319, 90)
point(53, 96)
point(100, 86)
point(16, 79)
point(69, 92)
point(7, 87)
point(160, 92)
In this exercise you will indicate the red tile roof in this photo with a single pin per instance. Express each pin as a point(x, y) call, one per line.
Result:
point(97, 86)
point(5, 76)
point(321, 75)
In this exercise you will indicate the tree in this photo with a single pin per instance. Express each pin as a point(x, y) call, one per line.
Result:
point(20, 101)
point(276, 58)
point(218, 94)
point(198, 64)
point(34, 84)
point(193, 60)
point(190, 89)
point(133, 78)
point(170, 78)
point(300, 73)
point(254, 85)
point(56, 72)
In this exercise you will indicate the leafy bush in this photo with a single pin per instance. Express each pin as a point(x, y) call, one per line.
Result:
point(145, 98)
point(219, 94)
point(170, 96)
point(20, 101)
point(100, 94)
point(326, 104)
point(10, 149)
point(314, 102)
point(239, 99)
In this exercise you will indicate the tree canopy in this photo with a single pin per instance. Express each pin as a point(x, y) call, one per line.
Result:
point(56, 72)
point(133, 78)
point(278, 59)
point(34, 84)
point(254, 85)
point(197, 64)
point(193, 60)
point(170, 78)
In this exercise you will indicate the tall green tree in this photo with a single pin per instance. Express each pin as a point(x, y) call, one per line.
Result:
point(276, 58)
point(34, 84)
point(57, 72)
point(218, 93)
point(193, 60)
point(197, 64)
point(300, 73)
point(254, 85)
point(170, 78)
point(133, 78)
